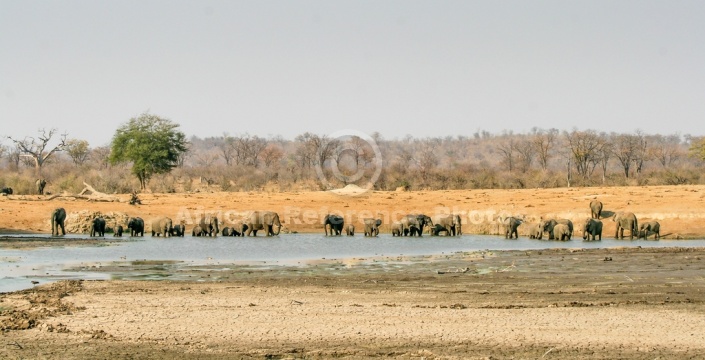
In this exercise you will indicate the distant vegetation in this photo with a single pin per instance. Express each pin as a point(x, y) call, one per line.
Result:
point(243, 162)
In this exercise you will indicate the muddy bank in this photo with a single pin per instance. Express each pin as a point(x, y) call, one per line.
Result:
point(599, 303)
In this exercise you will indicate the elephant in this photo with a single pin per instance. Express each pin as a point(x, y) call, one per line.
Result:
point(179, 229)
point(549, 224)
point(592, 227)
point(350, 230)
point(198, 231)
point(162, 226)
point(41, 183)
point(413, 230)
point(419, 220)
point(118, 231)
point(263, 220)
point(536, 231)
point(6, 191)
point(437, 229)
point(238, 229)
point(595, 209)
point(98, 226)
point(651, 227)
point(136, 226)
point(372, 226)
point(510, 226)
point(334, 223)
point(562, 232)
point(451, 223)
point(58, 217)
point(625, 221)
point(227, 232)
point(397, 229)
point(209, 225)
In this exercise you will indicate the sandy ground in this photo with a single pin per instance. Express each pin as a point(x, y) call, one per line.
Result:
point(632, 303)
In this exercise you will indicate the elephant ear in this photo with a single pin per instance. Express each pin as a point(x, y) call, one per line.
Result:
point(378, 222)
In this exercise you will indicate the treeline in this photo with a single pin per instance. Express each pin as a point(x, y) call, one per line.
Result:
point(541, 158)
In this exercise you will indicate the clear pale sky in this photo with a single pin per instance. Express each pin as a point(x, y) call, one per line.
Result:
point(425, 68)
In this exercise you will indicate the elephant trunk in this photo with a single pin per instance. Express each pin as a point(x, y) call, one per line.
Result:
point(278, 224)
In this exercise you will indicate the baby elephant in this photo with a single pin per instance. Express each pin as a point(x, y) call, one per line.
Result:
point(118, 231)
point(561, 232)
point(652, 227)
point(350, 230)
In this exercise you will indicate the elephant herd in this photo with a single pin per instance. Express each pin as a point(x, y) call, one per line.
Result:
point(164, 226)
point(562, 229)
point(409, 225)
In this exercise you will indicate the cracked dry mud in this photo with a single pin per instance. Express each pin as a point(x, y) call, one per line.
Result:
point(616, 303)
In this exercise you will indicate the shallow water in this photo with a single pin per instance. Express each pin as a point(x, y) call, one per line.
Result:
point(18, 268)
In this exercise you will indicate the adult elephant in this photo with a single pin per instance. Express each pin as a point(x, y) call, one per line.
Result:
point(263, 220)
point(592, 227)
point(41, 183)
point(162, 227)
point(333, 225)
point(451, 223)
point(136, 226)
point(418, 220)
point(350, 230)
point(625, 221)
point(511, 225)
point(372, 226)
point(548, 226)
point(98, 226)
point(58, 217)
point(209, 225)
point(562, 232)
point(397, 229)
point(595, 209)
point(651, 227)
point(6, 191)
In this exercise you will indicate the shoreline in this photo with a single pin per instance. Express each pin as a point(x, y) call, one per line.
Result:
point(631, 303)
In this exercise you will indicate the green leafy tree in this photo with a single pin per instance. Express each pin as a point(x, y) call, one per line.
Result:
point(78, 150)
point(697, 148)
point(152, 144)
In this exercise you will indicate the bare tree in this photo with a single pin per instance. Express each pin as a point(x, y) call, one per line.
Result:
point(506, 148)
point(584, 147)
point(101, 155)
point(38, 148)
point(666, 149)
point(626, 149)
point(526, 151)
point(271, 155)
point(604, 153)
point(226, 145)
point(544, 141)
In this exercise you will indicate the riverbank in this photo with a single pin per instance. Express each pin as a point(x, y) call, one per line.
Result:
point(679, 209)
point(564, 304)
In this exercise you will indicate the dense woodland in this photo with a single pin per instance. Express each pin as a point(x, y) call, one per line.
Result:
point(538, 159)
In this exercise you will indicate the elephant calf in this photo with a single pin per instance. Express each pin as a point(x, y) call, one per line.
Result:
point(652, 227)
point(118, 231)
point(536, 231)
point(350, 230)
point(561, 232)
point(98, 226)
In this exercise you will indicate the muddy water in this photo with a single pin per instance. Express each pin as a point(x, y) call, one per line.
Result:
point(156, 258)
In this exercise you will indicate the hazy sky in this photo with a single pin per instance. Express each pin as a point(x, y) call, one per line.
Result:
point(425, 68)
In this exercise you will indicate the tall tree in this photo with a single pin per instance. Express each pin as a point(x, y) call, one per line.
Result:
point(584, 146)
point(38, 148)
point(153, 145)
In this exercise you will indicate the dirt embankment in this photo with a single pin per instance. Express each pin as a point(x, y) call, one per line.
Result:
point(680, 209)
